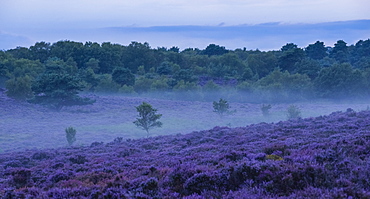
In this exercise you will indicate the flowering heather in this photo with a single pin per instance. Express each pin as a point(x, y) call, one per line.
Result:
point(316, 157)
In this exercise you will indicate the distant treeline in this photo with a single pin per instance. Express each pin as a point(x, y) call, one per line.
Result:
point(291, 73)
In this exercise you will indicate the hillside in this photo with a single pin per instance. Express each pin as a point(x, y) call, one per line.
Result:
point(30, 126)
point(322, 157)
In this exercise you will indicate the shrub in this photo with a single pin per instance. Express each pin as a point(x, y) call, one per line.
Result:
point(71, 135)
point(293, 112)
point(221, 107)
point(198, 183)
point(59, 177)
point(265, 109)
point(79, 159)
point(21, 177)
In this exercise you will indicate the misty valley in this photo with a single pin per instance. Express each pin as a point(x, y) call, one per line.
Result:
point(112, 121)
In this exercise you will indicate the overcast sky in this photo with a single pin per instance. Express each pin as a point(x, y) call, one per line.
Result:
point(23, 22)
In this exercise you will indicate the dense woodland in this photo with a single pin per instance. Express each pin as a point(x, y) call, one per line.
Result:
point(291, 73)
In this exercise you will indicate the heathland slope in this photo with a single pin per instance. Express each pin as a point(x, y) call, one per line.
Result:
point(322, 157)
point(29, 126)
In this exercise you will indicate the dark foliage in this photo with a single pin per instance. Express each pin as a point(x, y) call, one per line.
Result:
point(123, 76)
point(138, 68)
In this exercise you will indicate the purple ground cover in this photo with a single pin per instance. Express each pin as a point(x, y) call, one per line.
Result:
point(316, 157)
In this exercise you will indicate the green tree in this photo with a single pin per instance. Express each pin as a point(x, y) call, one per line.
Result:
point(165, 68)
point(291, 55)
point(58, 86)
point(213, 49)
point(19, 88)
point(339, 80)
point(140, 54)
point(288, 47)
point(40, 51)
point(184, 74)
point(316, 51)
point(359, 55)
point(93, 64)
point(308, 66)
point(123, 76)
point(147, 117)
point(222, 107)
point(106, 84)
point(262, 63)
point(69, 50)
point(340, 52)
point(282, 86)
point(21, 74)
point(89, 77)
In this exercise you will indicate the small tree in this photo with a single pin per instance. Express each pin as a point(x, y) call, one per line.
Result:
point(266, 109)
point(293, 112)
point(147, 117)
point(222, 107)
point(71, 135)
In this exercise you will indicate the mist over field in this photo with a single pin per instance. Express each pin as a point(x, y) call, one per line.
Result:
point(29, 126)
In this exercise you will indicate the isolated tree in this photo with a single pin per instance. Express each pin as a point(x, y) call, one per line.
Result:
point(222, 107)
point(70, 135)
point(147, 117)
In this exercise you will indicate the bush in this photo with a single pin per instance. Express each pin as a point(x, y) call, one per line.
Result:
point(221, 107)
point(21, 177)
point(199, 183)
point(293, 112)
point(265, 109)
point(71, 135)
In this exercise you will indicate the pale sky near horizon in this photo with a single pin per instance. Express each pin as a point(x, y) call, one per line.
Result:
point(30, 18)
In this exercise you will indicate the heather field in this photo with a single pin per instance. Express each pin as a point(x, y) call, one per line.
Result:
point(29, 126)
point(315, 157)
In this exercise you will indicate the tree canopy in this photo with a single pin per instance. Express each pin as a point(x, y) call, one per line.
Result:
point(58, 86)
point(139, 68)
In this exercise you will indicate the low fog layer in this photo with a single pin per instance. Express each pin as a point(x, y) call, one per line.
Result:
point(32, 126)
